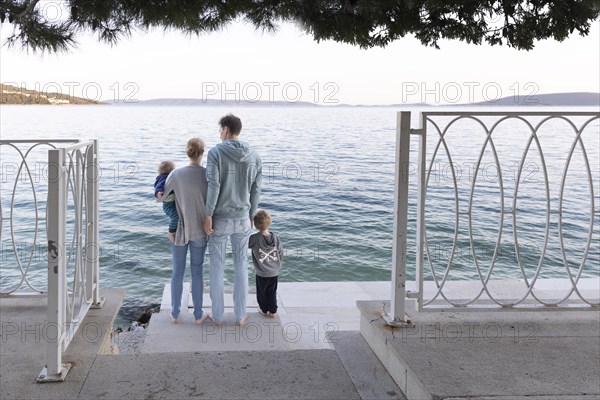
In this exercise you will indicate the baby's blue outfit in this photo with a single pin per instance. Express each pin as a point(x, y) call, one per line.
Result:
point(169, 206)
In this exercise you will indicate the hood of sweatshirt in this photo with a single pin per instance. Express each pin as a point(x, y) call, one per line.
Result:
point(235, 150)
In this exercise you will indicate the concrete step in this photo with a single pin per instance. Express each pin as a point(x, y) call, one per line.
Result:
point(260, 333)
point(306, 374)
point(307, 312)
point(488, 355)
point(369, 376)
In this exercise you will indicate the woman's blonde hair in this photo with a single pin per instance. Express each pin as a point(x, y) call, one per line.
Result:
point(194, 148)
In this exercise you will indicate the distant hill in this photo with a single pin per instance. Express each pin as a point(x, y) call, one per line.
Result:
point(583, 99)
point(15, 95)
point(208, 102)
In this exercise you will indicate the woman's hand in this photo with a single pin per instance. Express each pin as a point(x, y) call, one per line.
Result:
point(159, 195)
point(208, 225)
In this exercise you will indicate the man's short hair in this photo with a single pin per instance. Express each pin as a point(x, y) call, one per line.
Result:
point(233, 123)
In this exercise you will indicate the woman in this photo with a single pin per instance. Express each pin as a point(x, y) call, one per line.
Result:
point(189, 185)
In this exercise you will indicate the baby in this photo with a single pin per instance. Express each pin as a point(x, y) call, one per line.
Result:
point(169, 207)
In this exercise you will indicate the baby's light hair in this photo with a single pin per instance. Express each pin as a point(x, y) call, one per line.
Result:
point(166, 167)
point(262, 220)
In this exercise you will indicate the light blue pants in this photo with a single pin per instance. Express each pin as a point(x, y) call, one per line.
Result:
point(197, 251)
point(238, 230)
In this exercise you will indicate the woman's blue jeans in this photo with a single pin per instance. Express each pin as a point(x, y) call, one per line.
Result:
point(197, 250)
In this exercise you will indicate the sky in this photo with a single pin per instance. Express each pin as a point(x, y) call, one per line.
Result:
point(242, 64)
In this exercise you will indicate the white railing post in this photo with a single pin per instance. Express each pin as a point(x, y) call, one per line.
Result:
point(55, 370)
point(92, 245)
point(421, 193)
point(396, 317)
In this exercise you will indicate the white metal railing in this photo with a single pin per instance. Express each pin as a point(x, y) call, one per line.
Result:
point(71, 170)
point(506, 140)
point(70, 174)
point(24, 262)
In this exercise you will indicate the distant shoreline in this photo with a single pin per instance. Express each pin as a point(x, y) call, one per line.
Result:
point(474, 106)
point(11, 95)
point(575, 99)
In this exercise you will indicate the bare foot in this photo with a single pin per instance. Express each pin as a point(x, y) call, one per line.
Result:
point(272, 315)
point(174, 320)
point(242, 321)
point(215, 322)
point(171, 236)
point(201, 320)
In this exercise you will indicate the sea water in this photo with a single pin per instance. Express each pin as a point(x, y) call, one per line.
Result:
point(328, 180)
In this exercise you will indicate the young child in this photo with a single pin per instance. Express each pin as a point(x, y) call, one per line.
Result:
point(267, 256)
point(169, 207)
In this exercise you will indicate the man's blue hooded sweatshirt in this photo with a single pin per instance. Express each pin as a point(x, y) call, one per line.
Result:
point(234, 173)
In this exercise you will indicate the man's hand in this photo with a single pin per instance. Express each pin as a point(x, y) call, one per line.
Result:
point(208, 225)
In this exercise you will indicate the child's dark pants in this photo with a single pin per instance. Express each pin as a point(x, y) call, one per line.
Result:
point(266, 294)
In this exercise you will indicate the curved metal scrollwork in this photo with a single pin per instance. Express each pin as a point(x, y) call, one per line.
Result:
point(439, 125)
point(20, 153)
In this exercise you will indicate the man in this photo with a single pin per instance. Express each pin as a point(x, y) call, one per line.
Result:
point(233, 171)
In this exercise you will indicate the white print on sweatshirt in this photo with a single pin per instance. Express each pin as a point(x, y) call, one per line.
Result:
point(271, 255)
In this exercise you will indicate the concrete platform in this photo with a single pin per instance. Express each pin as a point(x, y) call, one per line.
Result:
point(310, 315)
point(187, 366)
point(24, 341)
point(485, 355)
point(314, 350)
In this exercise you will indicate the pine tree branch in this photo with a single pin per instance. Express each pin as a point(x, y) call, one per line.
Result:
point(363, 23)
